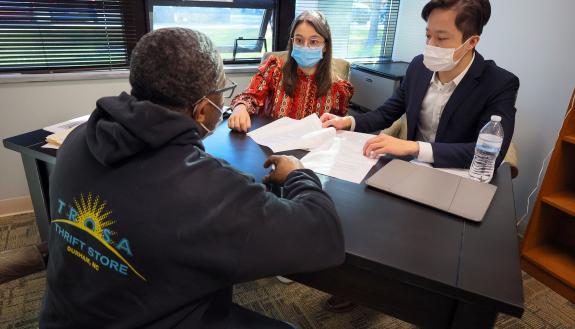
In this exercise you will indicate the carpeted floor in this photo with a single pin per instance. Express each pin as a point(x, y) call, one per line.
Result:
point(20, 300)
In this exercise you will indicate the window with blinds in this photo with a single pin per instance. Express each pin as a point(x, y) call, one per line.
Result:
point(52, 35)
point(360, 29)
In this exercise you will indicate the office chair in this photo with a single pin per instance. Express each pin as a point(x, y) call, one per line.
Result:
point(340, 66)
point(399, 130)
point(17, 263)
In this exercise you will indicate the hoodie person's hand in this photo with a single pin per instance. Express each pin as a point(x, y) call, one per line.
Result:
point(283, 166)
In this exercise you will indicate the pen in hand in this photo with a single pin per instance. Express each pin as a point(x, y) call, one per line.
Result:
point(280, 167)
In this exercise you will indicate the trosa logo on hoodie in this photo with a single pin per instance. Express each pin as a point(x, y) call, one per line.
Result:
point(100, 248)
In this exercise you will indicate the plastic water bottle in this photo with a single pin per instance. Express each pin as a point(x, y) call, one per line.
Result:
point(486, 150)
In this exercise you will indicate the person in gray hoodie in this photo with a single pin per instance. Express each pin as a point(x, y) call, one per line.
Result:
point(150, 231)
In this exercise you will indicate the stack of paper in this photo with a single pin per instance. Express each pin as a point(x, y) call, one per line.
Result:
point(342, 157)
point(61, 130)
point(336, 154)
point(56, 139)
point(289, 134)
point(67, 124)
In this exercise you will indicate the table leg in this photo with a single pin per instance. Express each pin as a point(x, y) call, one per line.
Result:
point(471, 316)
point(37, 176)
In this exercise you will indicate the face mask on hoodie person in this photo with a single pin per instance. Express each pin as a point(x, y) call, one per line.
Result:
point(220, 119)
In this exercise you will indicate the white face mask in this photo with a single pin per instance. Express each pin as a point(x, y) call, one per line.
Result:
point(220, 119)
point(438, 59)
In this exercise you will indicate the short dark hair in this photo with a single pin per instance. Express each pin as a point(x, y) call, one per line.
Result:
point(472, 15)
point(174, 67)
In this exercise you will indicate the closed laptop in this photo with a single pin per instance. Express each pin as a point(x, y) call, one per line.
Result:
point(451, 193)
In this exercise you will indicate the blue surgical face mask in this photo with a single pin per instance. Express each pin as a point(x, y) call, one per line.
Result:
point(306, 57)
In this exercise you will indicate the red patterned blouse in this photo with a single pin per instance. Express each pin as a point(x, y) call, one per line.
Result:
point(266, 96)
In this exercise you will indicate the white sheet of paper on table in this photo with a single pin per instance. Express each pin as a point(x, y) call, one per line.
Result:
point(288, 134)
point(55, 140)
point(342, 158)
point(454, 171)
point(67, 124)
point(50, 146)
point(336, 154)
point(306, 142)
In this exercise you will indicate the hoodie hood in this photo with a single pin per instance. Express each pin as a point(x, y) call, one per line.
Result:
point(123, 126)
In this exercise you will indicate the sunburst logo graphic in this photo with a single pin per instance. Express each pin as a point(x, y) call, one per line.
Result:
point(89, 214)
point(92, 215)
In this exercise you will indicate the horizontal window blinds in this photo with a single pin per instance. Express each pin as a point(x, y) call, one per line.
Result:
point(360, 29)
point(51, 36)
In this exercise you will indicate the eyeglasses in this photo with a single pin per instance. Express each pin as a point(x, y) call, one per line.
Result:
point(228, 90)
point(219, 108)
point(312, 43)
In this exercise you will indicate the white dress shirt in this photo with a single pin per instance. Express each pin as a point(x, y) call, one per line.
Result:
point(434, 102)
point(432, 107)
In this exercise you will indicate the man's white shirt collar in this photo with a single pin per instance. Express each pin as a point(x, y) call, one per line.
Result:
point(457, 80)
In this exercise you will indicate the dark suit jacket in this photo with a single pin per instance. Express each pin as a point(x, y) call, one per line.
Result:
point(485, 90)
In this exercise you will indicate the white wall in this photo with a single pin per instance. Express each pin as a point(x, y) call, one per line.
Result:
point(410, 33)
point(534, 40)
point(30, 106)
point(33, 105)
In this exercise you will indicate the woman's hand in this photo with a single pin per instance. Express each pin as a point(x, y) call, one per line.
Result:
point(240, 119)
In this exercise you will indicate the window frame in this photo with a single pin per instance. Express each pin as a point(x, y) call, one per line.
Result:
point(270, 7)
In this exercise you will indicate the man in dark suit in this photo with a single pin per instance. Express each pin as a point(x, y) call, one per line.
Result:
point(448, 94)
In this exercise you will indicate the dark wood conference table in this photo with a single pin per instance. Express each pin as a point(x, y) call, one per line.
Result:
point(422, 265)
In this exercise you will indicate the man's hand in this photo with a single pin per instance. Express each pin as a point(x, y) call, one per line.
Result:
point(385, 144)
point(332, 120)
point(283, 166)
point(240, 119)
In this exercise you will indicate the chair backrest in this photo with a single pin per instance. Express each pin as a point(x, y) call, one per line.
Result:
point(17, 263)
point(397, 129)
point(340, 66)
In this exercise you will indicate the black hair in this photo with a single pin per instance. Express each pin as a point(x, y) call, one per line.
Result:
point(174, 67)
point(472, 15)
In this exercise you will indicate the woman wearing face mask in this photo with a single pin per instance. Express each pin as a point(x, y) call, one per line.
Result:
point(302, 84)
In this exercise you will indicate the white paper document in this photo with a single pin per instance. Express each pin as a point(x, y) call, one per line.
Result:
point(67, 124)
point(454, 171)
point(289, 134)
point(335, 154)
point(55, 140)
point(342, 157)
point(50, 146)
